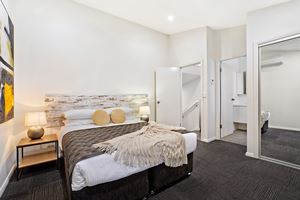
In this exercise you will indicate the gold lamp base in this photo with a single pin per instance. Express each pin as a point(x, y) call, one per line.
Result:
point(35, 133)
point(145, 118)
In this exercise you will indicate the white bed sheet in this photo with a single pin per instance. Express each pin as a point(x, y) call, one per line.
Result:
point(102, 169)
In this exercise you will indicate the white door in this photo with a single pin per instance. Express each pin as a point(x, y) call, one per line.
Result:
point(227, 95)
point(168, 96)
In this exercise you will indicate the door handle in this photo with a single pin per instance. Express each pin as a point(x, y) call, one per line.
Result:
point(158, 102)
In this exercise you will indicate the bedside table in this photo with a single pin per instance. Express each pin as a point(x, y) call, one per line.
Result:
point(38, 158)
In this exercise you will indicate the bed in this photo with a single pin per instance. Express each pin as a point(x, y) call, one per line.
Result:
point(93, 175)
point(264, 121)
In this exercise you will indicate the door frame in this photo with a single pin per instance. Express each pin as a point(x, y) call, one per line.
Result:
point(200, 65)
point(219, 95)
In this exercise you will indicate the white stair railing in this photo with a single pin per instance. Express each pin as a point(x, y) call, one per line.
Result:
point(190, 108)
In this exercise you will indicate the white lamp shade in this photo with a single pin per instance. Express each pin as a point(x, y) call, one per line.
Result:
point(144, 110)
point(35, 119)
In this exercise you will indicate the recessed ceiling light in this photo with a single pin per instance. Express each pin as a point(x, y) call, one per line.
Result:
point(171, 18)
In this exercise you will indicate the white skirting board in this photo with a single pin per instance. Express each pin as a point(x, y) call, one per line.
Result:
point(6, 181)
point(280, 162)
point(208, 140)
point(284, 128)
point(249, 154)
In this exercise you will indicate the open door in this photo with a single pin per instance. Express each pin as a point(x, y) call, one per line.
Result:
point(168, 96)
point(227, 98)
point(234, 100)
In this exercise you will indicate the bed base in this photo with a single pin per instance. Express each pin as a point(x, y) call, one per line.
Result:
point(265, 127)
point(162, 177)
point(137, 186)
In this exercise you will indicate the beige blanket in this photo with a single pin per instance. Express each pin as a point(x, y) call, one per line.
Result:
point(148, 147)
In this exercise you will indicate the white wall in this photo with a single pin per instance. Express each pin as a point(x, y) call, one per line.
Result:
point(210, 101)
point(7, 142)
point(64, 47)
point(262, 26)
point(221, 44)
point(191, 47)
point(210, 46)
point(232, 42)
point(188, 47)
point(282, 97)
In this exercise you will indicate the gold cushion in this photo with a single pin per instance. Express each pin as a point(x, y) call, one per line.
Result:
point(118, 116)
point(100, 117)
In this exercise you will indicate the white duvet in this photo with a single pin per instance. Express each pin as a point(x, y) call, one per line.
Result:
point(103, 168)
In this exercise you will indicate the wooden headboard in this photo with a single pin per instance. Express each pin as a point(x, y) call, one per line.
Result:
point(56, 105)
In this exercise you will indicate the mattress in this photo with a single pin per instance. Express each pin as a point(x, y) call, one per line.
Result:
point(102, 168)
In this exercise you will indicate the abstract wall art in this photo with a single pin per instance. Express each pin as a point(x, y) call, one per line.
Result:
point(6, 65)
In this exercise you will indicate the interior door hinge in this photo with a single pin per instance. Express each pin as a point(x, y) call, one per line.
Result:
point(221, 126)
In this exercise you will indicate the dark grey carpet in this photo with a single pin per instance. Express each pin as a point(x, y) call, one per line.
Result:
point(237, 137)
point(281, 144)
point(221, 172)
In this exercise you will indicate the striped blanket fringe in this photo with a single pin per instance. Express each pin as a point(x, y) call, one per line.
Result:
point(148, 147)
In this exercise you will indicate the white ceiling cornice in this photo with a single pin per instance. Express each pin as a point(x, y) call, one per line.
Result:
point(189, 14)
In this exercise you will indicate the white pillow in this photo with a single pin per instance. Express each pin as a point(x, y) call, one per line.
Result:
point(77, 122)
point(125, 109)
point(79, 114)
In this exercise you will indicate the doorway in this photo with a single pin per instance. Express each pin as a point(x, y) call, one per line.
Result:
point(233, 101)
point(191, 95)
point(178, 96)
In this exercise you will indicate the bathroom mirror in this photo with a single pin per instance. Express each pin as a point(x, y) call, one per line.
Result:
point(280, 101)
point(240, 83)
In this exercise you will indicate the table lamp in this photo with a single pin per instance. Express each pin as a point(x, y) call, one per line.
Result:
point(35, 121)
point(144, 112)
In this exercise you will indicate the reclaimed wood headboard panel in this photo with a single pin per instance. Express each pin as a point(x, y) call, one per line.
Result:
point(56, 105)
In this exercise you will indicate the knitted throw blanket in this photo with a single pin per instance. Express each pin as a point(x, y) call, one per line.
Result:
point(148, 147)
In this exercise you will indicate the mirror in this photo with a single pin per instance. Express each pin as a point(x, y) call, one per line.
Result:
point(280, 100)
point(241, 83)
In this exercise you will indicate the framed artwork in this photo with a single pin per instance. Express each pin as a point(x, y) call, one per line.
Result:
point(6, 65)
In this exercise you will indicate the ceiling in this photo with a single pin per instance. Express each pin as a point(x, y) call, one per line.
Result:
point(188, 14)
